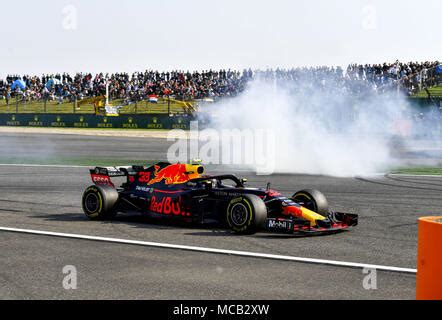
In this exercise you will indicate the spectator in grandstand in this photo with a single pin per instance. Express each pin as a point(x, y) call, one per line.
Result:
point(7, 95)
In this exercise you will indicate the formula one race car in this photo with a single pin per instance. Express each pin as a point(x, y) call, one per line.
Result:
point(183, 192)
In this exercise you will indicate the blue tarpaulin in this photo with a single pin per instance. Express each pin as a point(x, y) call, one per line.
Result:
point(52, 82)
point(18, 83)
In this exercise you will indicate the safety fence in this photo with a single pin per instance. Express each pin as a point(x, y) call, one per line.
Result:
point(423, 84)
point(22, 104)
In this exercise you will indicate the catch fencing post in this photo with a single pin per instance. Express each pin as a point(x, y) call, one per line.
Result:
point(168, 104)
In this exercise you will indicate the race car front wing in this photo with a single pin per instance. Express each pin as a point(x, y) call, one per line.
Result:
point(335, 222)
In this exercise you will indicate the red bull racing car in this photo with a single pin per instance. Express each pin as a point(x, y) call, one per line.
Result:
point(184, 192)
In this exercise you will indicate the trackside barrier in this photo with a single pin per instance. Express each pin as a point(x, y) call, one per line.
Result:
point(429, 259)
point(135, 121)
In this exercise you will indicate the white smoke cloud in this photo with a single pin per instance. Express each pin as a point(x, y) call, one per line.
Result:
point(318, 131)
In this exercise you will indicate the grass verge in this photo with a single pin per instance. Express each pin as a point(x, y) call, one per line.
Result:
point(419, 171)
point(434, 91)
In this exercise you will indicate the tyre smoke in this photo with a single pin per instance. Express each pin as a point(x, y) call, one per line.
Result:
point(325, 132)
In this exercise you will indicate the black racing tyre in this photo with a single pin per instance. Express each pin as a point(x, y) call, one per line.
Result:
point(312, 199)
point(246, 214)
point(99, 202)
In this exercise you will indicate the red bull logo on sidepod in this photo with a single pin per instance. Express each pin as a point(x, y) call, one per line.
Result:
point(176, 173)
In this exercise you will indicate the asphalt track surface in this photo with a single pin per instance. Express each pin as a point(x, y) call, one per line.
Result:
point(48, 198)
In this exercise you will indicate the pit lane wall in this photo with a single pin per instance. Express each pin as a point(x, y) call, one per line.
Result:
point(139, 121)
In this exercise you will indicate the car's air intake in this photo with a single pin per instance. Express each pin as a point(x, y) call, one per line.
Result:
point(194, 169)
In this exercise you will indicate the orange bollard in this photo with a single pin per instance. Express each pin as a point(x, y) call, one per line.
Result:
point(429, 259)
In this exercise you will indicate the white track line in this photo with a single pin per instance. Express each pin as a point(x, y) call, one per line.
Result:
point(213, 250)
point(41, 165)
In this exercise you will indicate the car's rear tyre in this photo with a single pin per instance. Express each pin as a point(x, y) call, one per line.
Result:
point(246, 214)
point(99, 202)
point(312, 199)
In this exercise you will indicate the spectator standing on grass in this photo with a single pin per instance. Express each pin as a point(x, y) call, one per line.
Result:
point(7, 95)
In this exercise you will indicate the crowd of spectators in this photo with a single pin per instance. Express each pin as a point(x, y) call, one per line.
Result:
point(408, 77)
point(356, 79)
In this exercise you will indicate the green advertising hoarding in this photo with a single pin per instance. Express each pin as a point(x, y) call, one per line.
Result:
point(93, 121)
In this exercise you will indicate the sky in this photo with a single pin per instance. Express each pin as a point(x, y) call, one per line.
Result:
point(48, 36)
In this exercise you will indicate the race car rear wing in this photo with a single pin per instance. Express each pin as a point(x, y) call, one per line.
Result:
point(102, 175)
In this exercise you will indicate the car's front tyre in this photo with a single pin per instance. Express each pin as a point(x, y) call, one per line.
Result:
point(312, 199)
point(246, 214)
